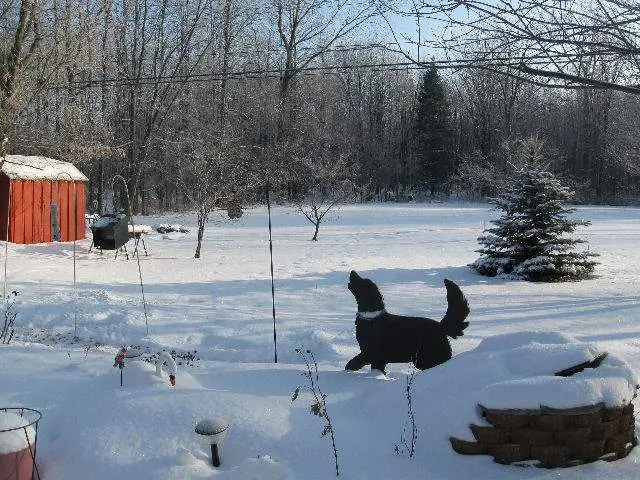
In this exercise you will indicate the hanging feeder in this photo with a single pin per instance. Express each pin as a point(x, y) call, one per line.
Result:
point(18, 437)
point(212, 431)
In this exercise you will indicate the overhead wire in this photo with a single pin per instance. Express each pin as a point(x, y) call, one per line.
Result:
point(262, 73)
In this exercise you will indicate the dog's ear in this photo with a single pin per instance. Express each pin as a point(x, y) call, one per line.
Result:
point(354, 274)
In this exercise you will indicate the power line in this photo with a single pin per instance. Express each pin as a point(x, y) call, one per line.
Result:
point(266, 73)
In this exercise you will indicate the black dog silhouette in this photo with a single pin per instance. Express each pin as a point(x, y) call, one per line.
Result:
point(386, 338)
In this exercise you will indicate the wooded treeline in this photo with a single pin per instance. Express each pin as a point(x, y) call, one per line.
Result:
point(198, 101)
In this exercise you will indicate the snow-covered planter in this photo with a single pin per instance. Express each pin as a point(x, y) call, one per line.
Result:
point(549, 416)
point(552, 437)
point(18, 427)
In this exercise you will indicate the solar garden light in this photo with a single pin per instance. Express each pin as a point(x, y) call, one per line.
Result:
point(212, 432)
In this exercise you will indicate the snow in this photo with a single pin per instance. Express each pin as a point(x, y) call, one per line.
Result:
point(166, 228)
point(261, 468)
point(528, 381)
point(17, 433)
point(209, 426)
point(141, 229)
point(556, 392)
point(32, 167)
point(107, 221)
point(520, 333)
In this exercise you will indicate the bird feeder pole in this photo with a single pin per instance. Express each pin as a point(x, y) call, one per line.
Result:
point(273, 293)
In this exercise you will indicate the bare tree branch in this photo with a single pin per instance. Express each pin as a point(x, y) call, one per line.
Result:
point(548, 39)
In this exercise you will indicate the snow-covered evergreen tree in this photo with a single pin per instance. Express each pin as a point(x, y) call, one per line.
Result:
point(531, 240)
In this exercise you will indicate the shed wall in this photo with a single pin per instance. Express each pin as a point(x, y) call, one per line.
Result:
point(4, 205)
point(30, 210)
point(16, 213)
point(47, 234)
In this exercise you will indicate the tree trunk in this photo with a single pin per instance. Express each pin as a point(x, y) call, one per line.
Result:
point(200, 235)
point(101, 186)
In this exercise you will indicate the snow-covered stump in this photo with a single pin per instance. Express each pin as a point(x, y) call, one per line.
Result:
point(212, 432)
point(18, 435)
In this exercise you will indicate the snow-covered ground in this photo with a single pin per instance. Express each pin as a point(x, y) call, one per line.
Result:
point(219, 307)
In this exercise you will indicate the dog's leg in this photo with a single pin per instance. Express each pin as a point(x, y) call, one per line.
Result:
point(357, 362)
point(378, 365)
point(427, 357)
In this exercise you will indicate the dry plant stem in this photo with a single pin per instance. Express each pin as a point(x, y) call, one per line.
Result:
point(412, 419)
point(319, 408)
point(6, 334)
point(409, 445)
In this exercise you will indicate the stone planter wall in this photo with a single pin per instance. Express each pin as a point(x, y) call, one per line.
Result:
point(553, 437)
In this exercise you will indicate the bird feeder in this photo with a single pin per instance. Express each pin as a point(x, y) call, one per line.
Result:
point(18, 434)
point(110, 232)
point(212, 432)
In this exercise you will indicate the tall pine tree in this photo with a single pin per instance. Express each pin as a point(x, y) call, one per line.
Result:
point(530, 240)
point(433, 132)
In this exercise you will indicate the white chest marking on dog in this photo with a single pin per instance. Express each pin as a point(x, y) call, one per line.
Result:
point(370, 315)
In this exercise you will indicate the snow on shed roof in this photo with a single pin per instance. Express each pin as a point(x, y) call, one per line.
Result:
point(31, 167)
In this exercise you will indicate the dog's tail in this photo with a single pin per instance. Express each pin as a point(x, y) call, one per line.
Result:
point(457, 310)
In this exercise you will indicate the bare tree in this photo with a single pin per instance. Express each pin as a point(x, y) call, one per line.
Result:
point(541, 41)
point(156, 42)
point(309, 28)
point(327, 183)
point(23, 26)
point(209, 178)
point(19, 40)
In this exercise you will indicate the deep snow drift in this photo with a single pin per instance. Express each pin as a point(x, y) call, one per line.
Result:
point(215, 312)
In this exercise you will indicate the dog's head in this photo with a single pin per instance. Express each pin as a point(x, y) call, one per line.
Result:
point(366, 293)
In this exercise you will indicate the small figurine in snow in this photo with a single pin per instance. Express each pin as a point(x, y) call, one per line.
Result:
point(119, 360)
point(172, 368)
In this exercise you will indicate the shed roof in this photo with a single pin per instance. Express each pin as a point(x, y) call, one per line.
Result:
point(32, 167)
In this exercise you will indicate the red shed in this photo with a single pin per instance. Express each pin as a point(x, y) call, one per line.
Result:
point(39, 198)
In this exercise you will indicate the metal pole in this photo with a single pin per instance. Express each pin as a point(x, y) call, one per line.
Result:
point(6, 246)
point(126, 191)
point(273, 291)
point(3, 153)
point(75, 236)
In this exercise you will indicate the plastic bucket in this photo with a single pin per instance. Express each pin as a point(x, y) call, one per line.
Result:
point(16, 465)
point(18, 431)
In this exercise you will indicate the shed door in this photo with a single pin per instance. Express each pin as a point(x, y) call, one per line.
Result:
point(55, 223)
